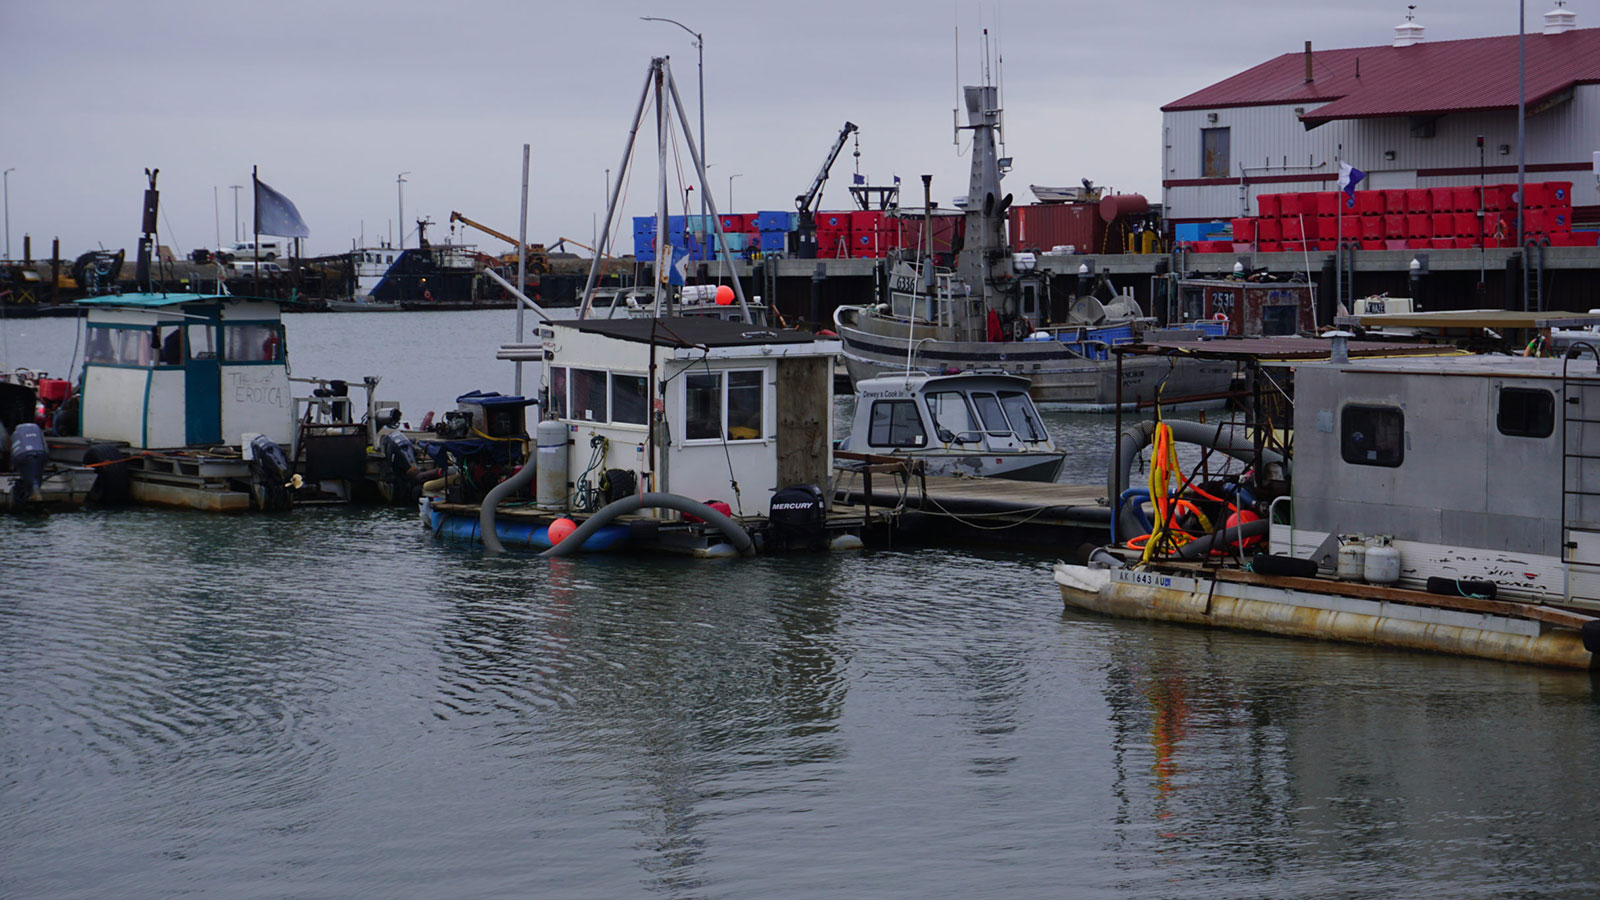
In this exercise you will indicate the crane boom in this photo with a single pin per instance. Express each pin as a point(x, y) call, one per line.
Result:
point(805, 201)
point(458, 217)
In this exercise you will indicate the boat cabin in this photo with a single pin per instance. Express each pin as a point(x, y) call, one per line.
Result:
point(978, 424)
point(1480, 468)
point(1250, 309)
point(174, 370)
point(692, 405)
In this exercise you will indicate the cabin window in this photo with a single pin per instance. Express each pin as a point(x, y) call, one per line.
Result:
point(702, 406)
point(895, 423)
point(121, 346)
point(588, 395)
point(255, 342)
point(990, 413)
point(950, 413)
point(1526, 412)
point(728, 405)
point(628, 399)
point(1024, 416)
point(169, 338)
point(202, 342)
point(1372, 435)
point(1214, 160)
point(558, 391)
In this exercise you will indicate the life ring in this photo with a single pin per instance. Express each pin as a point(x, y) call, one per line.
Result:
point(427, 295)
point(1219, 317)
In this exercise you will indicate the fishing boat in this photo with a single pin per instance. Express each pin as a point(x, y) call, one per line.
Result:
point(1449, 504)
point(29, 479)
point(993, 310)
point(980, 425)
point(428, 276)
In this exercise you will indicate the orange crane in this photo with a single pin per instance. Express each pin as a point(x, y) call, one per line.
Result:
point(561, 242)
point(538, 262)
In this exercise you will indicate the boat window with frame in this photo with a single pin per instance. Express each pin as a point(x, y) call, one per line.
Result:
point(118, 345)
point(252, 342)
point(1214, 156)
point(990, 412)
point(1526, 412)
point(169, 340)
point(1024, 416)
point(1372, 435)
point(629, 402)
point(202, 341)
point(702, 406)
point(895, 423)
point(558, 391)
point(588, 394)
point(950, 413)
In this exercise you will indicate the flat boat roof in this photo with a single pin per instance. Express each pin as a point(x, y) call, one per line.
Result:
point(1273, 348)
point(171, 298)
point(689, 331)
point(1498, 319)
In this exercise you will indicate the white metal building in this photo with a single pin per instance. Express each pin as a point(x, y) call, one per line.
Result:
point(1409, 114)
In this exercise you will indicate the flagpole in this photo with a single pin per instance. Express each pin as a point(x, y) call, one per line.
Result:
point(1338, 243)
point(255, 222)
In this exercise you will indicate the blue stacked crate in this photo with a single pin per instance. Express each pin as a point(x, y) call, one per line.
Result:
point(773, 227)
point(644, 238)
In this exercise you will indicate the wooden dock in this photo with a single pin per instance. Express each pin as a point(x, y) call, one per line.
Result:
point(983, 510)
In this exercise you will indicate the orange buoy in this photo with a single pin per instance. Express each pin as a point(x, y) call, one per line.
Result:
point(559, 529)
point(724, 295)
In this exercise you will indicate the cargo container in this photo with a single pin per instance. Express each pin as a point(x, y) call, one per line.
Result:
point(1043, 226)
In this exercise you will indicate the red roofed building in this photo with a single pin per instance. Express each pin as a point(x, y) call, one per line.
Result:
point(1408, 114)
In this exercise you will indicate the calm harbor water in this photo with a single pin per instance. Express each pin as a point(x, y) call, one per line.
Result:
point(330, 704)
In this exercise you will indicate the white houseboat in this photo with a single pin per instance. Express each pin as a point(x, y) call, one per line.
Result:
point(1449, 504)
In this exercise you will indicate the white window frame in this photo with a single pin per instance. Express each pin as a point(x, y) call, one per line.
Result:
point(723, 377)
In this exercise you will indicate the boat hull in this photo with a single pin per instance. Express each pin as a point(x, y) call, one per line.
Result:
point(1060, 378)
point(1273, 609)
point(61, 488)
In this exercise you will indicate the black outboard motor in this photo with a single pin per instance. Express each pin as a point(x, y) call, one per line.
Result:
point(798, 517)
point(270, 474)
point(400, 471)
point(28, 456)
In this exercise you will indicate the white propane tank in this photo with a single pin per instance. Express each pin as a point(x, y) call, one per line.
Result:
point(1382, 565)
point(1352, 558)
point(551, 473)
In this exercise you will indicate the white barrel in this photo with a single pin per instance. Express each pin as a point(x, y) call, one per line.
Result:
point(551, 473)
point(1352, 563)
point(1382, 565)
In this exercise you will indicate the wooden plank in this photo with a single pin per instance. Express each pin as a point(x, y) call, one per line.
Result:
point(1546, 614)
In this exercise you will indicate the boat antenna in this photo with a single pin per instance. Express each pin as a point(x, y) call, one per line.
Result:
point(955, 111)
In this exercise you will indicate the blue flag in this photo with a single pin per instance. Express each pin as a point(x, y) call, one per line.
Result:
point(860, 179)
point(897, 179)
point(275, 214)
point(1349, 177)
point(678, 269)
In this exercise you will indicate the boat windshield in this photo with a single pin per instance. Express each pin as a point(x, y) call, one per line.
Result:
point(1024, 415)
point(989, 411)
point(950, 412)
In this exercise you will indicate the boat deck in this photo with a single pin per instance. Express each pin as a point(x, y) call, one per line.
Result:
point(983, 509)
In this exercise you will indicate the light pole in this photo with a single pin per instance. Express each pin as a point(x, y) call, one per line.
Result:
point(6, 177)
point(400, 186)
point(700, 50)
point(236, 188)
point(730, 191)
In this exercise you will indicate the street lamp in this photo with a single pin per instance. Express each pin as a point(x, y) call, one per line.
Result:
point(730, 191)
point(6, 177)
point(400, 186)
point(700, 50)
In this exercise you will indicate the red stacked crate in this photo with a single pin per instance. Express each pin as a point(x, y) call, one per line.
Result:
point(1394, 202)
point(1419, 225)
point(1268, 206)
point(1394, 224)
point(1371, 229)
point(1441, 200)
point(1289, 206)
point(1244, 231)
point(1269, 231)
point(1418, 202)
point(833, 235)
point(1370, 203)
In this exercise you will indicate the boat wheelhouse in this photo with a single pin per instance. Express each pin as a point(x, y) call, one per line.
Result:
point(974, 424)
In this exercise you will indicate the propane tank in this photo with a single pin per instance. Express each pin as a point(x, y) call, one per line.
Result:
point(1382, 565)
point(1352, 558)
point(551, 473)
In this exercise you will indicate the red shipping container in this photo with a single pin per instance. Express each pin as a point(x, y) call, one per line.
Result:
point(1394, 226)
point(1418, 201)
point(1394, 201)
point(1369, 203)
point(1244, 230)
point(1277, 246)
point(1269, 230)
point(1371, 228)
point(1419, 225)
point(735, 223)
point(1037, 227)
point(1268, 206)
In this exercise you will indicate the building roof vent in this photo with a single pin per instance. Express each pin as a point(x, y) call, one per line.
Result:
point(1408, 32)
point(1560, 19)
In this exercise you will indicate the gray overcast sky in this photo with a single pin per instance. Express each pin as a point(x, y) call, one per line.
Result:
point(332, 100)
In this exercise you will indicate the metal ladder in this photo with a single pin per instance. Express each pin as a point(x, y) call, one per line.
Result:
point(1580, 516)
point(1533, 275)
